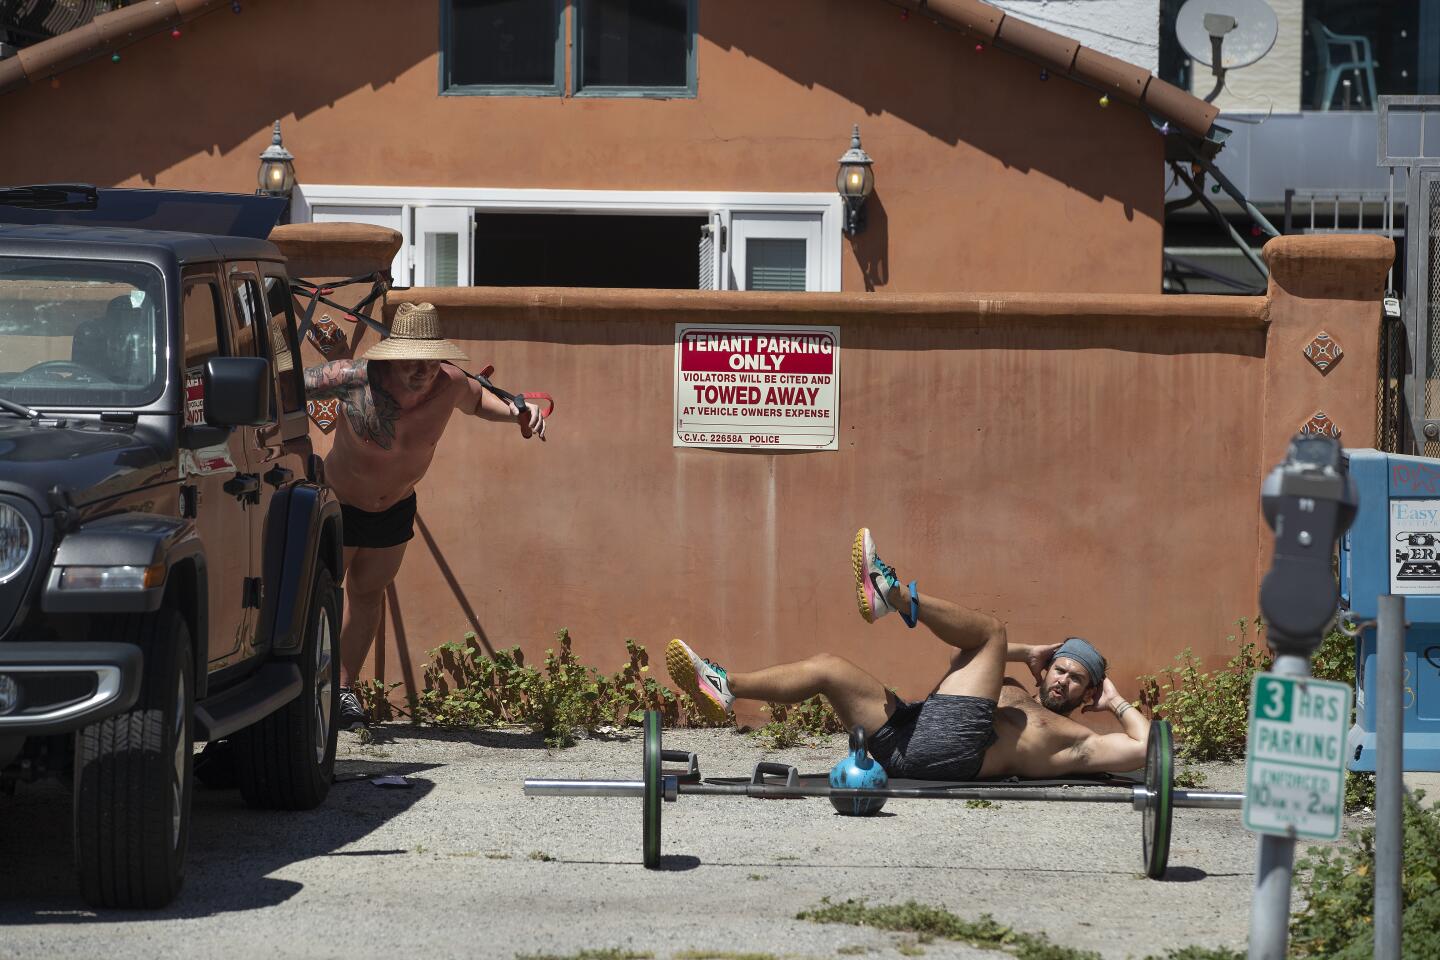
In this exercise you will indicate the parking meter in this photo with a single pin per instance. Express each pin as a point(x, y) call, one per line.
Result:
point(1309, 501)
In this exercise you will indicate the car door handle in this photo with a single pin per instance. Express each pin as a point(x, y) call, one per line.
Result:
point(243, 486)
point(279, 476)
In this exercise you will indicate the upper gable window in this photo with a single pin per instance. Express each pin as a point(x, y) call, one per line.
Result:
point(634, 47)
point(622, 48)
point(503, 47)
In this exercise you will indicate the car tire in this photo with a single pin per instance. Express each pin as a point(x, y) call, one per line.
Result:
point(286, 761)
point(134, 776)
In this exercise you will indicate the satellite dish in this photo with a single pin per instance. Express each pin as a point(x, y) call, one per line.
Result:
point(1239, 31)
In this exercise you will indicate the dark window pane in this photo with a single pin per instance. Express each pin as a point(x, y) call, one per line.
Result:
point(634, 43)
point(502, 42)
point(586, 250)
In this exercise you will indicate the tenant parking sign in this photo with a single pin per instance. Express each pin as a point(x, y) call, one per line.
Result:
point(1295, 756)
point(758, 387)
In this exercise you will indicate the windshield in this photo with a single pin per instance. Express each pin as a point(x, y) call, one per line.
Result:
point(80, 333)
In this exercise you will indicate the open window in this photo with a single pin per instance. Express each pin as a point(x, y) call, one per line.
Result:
point(648, 239)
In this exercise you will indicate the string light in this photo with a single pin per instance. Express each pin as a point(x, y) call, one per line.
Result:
point(979, 48)
point(1165, 129)
point(1104, 99)
point(1044, 74)
point(175, 34)
point(114, 58)
point(235, 6)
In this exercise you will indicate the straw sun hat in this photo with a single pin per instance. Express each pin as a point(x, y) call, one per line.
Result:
point(415, 335)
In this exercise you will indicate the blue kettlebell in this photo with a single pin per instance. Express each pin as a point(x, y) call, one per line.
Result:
point(858, 771)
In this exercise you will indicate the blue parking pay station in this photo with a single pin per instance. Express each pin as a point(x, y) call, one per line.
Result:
point(1393, 547)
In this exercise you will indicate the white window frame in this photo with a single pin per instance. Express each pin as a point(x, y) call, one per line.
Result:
point(827, 206)
point(785, 226)
point(432, 221)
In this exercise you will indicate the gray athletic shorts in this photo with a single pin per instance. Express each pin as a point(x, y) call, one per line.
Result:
point(943, 737)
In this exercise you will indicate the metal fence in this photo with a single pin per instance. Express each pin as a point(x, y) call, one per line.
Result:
point(1409, 395)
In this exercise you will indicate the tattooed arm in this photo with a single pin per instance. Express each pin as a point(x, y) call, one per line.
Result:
point(335, 379)
point(367, 405)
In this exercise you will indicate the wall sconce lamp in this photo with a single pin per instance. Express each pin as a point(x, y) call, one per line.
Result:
point(855, 181)
point(277, 168)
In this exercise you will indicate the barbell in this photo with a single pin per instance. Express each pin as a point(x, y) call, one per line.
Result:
point(1156, 797)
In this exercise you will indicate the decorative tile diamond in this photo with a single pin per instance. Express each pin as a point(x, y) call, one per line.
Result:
point(327, 335)
point(324, 412)
point(1320, 425)
point(1324, 351)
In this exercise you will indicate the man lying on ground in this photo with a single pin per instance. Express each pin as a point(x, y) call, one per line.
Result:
point(978, 724)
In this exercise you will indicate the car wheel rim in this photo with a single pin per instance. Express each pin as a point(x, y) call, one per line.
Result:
point(323, 699)
point(177, 780)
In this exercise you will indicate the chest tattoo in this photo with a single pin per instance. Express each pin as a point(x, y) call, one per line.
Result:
point(372, 413)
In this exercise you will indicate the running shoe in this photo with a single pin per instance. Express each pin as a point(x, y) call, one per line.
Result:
point(873, 578)
point(706, 682)
point(352, 715)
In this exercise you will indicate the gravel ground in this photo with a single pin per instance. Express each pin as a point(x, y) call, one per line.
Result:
point(460, 863)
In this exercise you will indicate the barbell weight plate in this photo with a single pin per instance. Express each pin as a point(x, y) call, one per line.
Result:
point(1159, 786)
point(652, 789)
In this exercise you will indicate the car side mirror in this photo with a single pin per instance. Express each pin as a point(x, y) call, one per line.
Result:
point(238, 392)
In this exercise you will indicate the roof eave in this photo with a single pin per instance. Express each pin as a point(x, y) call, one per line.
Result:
point(1121, 80)
point(103, 35)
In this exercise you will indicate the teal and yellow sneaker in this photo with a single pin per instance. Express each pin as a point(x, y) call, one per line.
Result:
point(873, 578)
point(706, 682)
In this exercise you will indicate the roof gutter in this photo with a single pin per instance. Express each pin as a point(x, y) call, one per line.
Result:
point(1122, 81)
point(102, 35)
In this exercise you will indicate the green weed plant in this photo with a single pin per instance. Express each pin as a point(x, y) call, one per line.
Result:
point(929, 923)
point(798, 724)
point(466, 687)
point(1210, 710)
point(1338, 920)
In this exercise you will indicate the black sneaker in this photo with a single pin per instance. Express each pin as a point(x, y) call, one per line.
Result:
point(352, 715)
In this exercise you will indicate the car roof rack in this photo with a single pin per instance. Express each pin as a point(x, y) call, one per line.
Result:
point(51, 196)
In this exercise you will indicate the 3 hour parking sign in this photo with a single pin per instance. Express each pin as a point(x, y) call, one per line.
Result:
point(1295, 756)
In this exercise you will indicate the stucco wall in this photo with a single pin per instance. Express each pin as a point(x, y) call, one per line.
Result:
point(1072, 464)
point(987, 178)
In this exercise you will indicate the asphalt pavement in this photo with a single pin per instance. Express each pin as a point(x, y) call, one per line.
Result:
point(458, 863)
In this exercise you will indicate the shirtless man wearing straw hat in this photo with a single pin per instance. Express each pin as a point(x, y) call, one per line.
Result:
point(397, 400)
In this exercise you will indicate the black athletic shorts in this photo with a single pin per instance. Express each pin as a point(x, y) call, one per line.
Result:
point(943, 737)
point(383, 528)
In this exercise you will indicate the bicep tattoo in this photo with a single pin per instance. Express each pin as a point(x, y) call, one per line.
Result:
point(335, 379)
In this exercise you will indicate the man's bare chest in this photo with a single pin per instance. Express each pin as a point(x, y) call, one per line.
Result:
point(378, 421)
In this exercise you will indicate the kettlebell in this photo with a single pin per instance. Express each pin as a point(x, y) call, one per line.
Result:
point(858, 771)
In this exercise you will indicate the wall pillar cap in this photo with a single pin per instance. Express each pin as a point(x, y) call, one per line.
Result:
point(336, 249)
point(1353, 249)
point(1345, 266)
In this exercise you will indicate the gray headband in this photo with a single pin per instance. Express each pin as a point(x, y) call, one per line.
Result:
point(1084, 654)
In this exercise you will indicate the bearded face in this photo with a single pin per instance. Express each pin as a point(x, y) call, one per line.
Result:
point(1065, 685)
